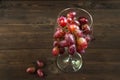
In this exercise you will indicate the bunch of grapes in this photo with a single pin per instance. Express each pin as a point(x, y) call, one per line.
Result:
point(72, 34)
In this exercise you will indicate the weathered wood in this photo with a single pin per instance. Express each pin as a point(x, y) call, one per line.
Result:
point(92, 55)
point(16, 61)
point(40, 36)
point(37, 12)
point(89, 4)
point(26, 31)
point(42, 17)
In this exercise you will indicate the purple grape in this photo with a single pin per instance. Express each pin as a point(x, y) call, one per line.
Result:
point(63, 43)
point(77, 23)
point(83, 20)
point(62, 50)
point(70, 39)
point(86, 29)
point(58, 34)
point(72, 49)
point(62, 21)
point(88, 38)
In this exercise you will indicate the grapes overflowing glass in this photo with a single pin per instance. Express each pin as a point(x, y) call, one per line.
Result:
point(73, 31)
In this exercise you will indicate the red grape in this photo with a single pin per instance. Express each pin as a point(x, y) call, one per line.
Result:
point(40, 73)
point(69, 20)
point(62, 21)
point(55, 51)
point(69, 38)
point(30, 70)
point(82, 42)
point(59, 33)
point(40, 63)
point(80, 50)
point(83, 20)
point(72, 27)
point(62, 50)
point(88, 38)
point(71, 15)
point(86, 29)
point(72, 49)
point(63, 43)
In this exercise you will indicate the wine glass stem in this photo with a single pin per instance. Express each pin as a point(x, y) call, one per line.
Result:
point(70, 58)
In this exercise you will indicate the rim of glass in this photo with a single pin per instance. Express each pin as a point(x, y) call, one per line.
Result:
point(91, 18)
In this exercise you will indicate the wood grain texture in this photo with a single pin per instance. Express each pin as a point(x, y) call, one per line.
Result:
point(26, 29)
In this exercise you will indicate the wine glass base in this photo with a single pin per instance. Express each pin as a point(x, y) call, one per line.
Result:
point(69, 63)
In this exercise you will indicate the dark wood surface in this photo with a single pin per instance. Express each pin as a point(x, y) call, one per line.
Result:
point(26, 29)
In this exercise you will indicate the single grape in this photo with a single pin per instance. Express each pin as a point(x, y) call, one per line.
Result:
point(72, 27)
point(83, 20)
point(31, 70)
point(82, 42)
point(40, 63)
point(63, 43)
point(71, 15)
point(72, 49)
point(88, 38)
point(69, 20)
point(55, 51)
point(86, 29)
point(40, 73)
point(62, 50)
point(59, 33)
point(62, 21)
point(80, 50)
point(69, 38)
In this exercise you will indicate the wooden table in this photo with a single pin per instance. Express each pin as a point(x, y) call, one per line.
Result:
point(26, 29)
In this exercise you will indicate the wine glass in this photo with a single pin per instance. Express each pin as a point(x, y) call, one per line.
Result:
point(67, 62)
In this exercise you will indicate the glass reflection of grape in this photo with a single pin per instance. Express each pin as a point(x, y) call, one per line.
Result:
point(73, 32)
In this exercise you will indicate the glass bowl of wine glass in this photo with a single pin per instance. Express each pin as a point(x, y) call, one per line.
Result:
point(72, 35)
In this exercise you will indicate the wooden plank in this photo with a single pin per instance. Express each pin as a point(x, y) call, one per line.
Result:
point(16, 61)
point(89, 77)
point(26, 17)
point(21, 36)
point(37, 12)
point(99, 30)
point(101, 55)
point(41, 17)
point(30, 55)
point(107, 36)
point(89, 4)
point(28, 28)
point(40, 36)
point(103, 4)
point(100, 75)
point(105, 16)
point(90, 70)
